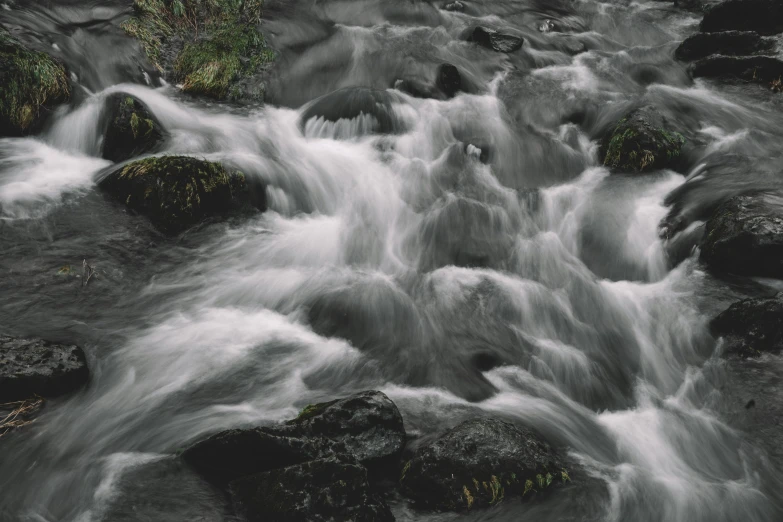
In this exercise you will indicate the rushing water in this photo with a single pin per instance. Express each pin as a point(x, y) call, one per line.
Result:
point(521, 279)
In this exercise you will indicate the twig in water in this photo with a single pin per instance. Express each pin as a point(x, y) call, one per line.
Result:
point(18, 416)
point(87, 273)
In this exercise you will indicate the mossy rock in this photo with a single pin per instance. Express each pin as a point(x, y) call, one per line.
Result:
point(211, 48)
point(32, 82)
point(641, 142)
point(178, 191)
point(132, 130)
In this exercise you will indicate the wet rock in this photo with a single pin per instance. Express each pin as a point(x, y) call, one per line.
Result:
point(132, 130)
point(367, 424)
point(321, 490)
point(752, 326)
point(745, 236)
point(735, 43)
point(357, 102)
point(750, 68)
point(763, 16)
point(178, 191)
point(32, 83)
point(449, 80)
point(642, 142)
point(31, 367)
point(233, 454)
point(491, 39)
point(454, 6)
point(547, 26)
point(366, 427)
point(479, 463)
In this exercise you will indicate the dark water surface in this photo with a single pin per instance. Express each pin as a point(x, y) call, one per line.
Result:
point(528, 283)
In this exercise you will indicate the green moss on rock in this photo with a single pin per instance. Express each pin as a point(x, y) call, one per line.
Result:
point(222, 44)
point(131, 129)
point(640, 142)
point(31, 82)
point(179, 191)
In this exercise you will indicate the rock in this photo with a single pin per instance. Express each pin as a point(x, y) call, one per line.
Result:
point(321, 490)
point(354, 102)
point(367, 424)
point(736, 43)
point(454, 6)
point(491, 39)
point(178, 191)
point(763, 16)
point(752, 326)
point(366, 427)
point(31, 367)
point(642, 142)
point(745, 236)
point(479, 463)
point(233, 454)
point(547, 26)
point(132, 130)
point(32, 84)
point(449, 80)
point(751, 68)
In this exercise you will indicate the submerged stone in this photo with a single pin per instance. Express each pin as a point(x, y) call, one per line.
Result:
point(330, 489)
point(736, 43)
point(132, 130)
point(178, 191)
point(352, 103)
point(32, 83)
point(449, 80)
point(642, 142)
point(752, 326)
point(745, 236)
point(30, 367)
point(480, 463)
point(495, 40)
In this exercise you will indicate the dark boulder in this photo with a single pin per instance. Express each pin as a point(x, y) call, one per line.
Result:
point(763, 16)
point(449, 80)
point(31, 367)
point(734, 43)
point(479, 463)
point(233, 454)
point(354, 102)
point(367, 424)
point(32, 83)
point(745, 236)
point(750, 68)
point(179, 191)
point(752, 326)
point(321, 490)
point(491, 39)
point(366, 427)
point(641, 142)
point(131, 129)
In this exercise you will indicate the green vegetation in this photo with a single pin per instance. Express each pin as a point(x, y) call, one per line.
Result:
point(222, 43)
point(638, 148)
point(31, 81)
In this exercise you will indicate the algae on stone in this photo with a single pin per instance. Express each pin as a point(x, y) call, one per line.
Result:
point(640, 142)
point(131, 129)
point(31, 81)
point(178, 191)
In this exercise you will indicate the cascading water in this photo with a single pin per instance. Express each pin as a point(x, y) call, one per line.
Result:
point(530, 282)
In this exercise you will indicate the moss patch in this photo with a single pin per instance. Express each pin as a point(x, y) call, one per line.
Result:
point(639, 143)
point(222, 44)
point(30, 82)
point(132, 130)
